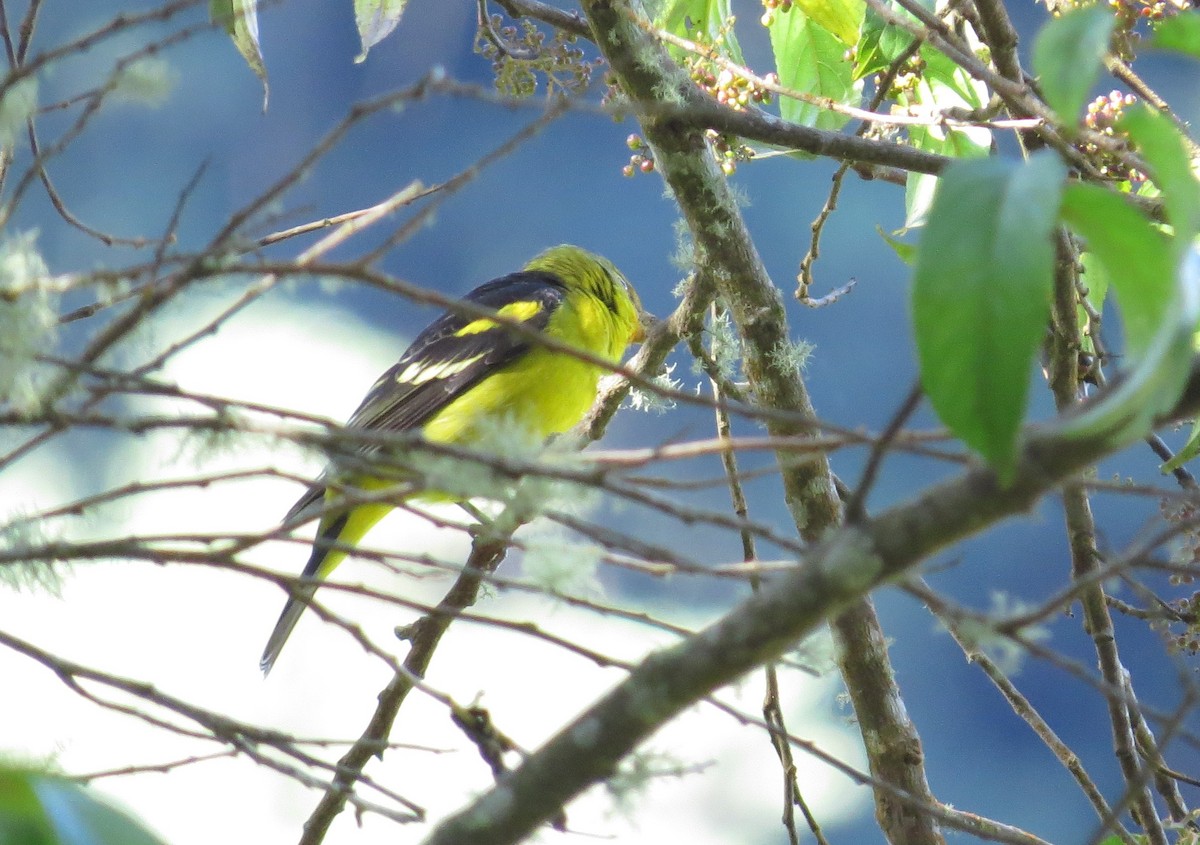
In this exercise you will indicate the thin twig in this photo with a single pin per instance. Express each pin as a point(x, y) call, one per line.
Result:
point(1023, 708)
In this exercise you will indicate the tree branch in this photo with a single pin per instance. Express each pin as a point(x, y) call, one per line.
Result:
point(838, 571)
point(725, 253)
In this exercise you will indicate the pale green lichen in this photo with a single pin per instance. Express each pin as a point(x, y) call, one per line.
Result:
point(981, 634)
point(639, 770)
point(147, 81)
point(28, 322)
point(667, 93)
point(227, 434)
point(535, 493)
point(816, 653)
point(561, 566)
point(792, 357)
point(720, 228)
point(16, 107)
point(651, 401)
point(740, 196)
point(502, 467)
point(25, 541)
point(111, 291)
point(467, 476)
point(724, 345)
point(851, 565)
point(684, 256)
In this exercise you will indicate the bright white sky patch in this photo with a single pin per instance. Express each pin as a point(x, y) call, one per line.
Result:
point(196, 632)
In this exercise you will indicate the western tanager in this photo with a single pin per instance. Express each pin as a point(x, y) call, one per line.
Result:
point(463, 373)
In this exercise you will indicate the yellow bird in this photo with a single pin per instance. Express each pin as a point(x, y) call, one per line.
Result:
point(463, 373)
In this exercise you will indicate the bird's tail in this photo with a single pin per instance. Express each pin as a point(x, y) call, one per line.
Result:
point(336, 532)
point(301, 593)
point(295, 606)
point(322, 560)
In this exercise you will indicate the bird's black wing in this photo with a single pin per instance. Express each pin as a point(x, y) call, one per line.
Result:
point(444, 361)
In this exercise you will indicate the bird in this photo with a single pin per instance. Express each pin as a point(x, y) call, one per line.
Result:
point(464, 373)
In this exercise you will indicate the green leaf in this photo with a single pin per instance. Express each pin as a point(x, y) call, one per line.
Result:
point(1095, 280)
point(21, 816)
point(40, 809)
point(842, 18)
point(1156, 280)
point(1190, 450)
point(1067, 56)
point(881, 43)
point(1180, 33)
point(376, 19)
point(942, 87)
point(1155, 379)
point(79, 818)
point(809, 58)
point(703, 21)
point(921, 187)
point(904, 251)
point(239, 18)
point(919, 190)
point(1136, 258)
point(1161, 145)
point(981, 296)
